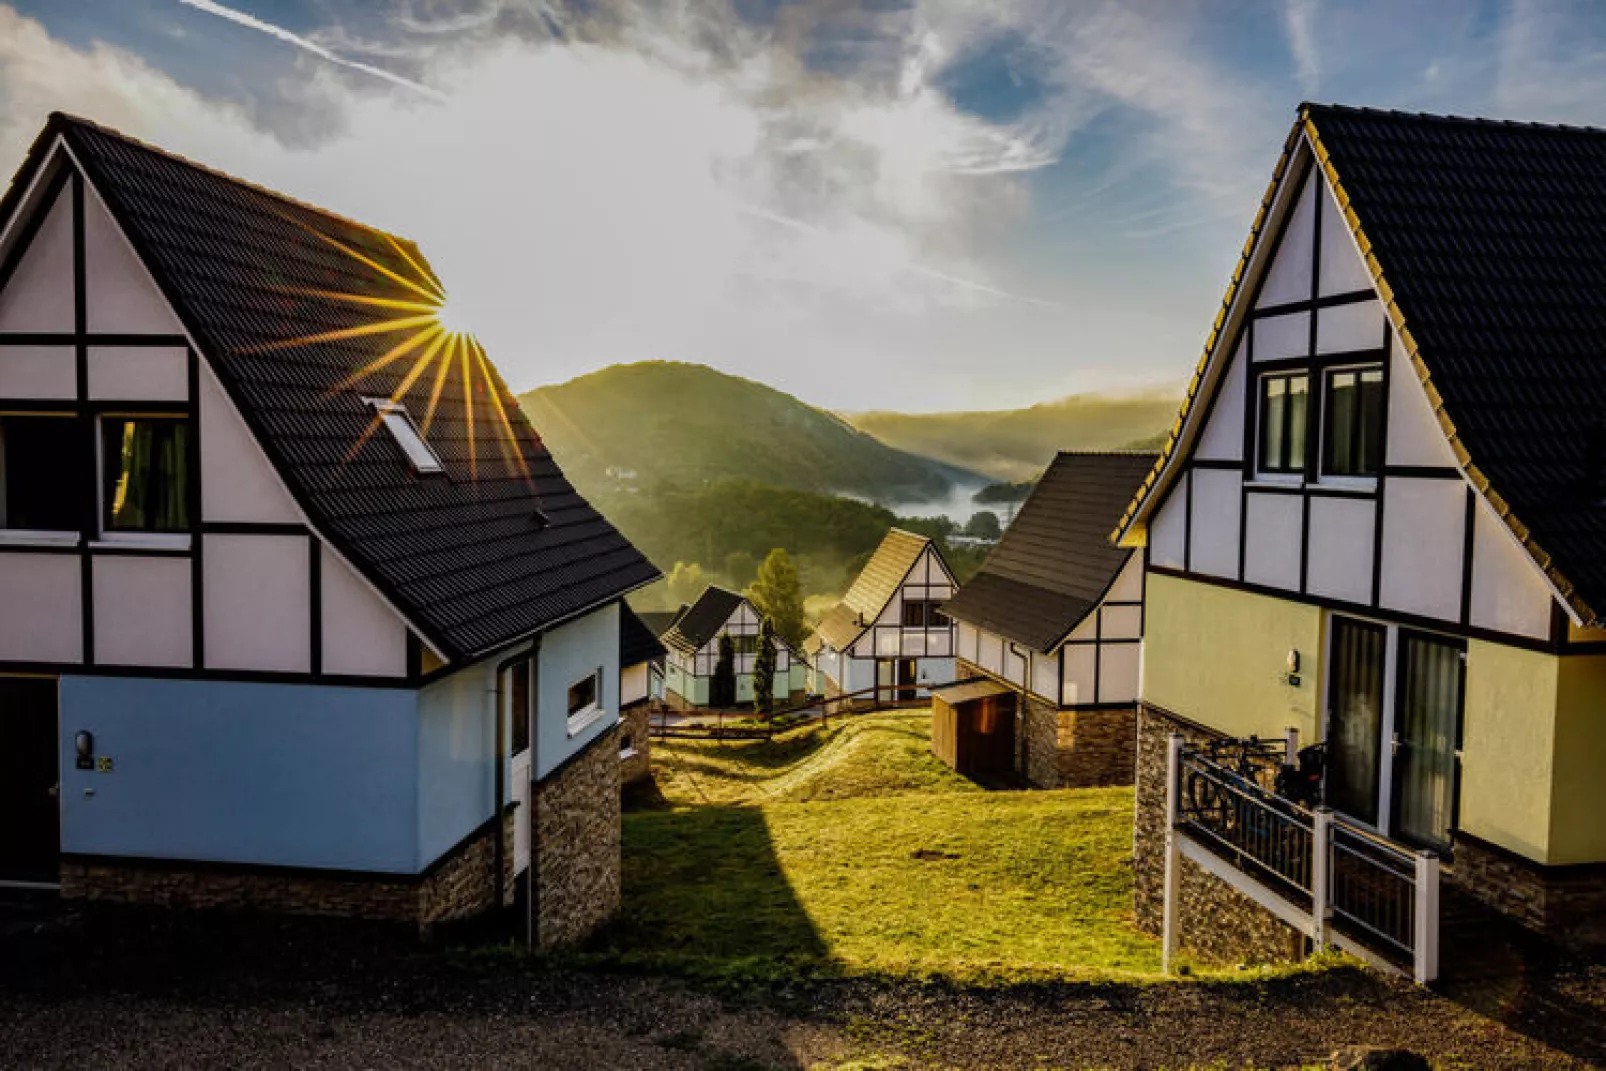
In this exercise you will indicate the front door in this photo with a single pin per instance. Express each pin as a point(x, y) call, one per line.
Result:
point(907, 679)
point(1427, 738)
point(514, 693)
point(30, 812)
point(1355, 718)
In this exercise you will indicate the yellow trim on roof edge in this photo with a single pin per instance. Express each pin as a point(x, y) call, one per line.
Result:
point(1125, 532)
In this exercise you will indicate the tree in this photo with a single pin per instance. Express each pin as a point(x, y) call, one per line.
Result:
point(685, 583)
point(778, 596)
point(722, 689)
point(764, 667)
point(984, 525)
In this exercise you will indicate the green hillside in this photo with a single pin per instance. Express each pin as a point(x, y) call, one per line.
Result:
point(1016, 444)
point(685, 424)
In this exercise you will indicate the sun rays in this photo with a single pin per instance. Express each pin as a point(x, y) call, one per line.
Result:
point(431, 336)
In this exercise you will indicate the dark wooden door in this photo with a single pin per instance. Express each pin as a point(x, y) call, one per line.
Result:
point(907, 680)
point(987, 738)
point(30, 815)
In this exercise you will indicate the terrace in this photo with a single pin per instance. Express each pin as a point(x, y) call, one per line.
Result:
point(1336, 882)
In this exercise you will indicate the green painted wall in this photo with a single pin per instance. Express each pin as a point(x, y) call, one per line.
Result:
point(1508, 747)
point(1578, 809)
point(1220, 657)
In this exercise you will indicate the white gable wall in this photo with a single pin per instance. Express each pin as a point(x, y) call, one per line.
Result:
point(1324, 540)
point(255, 564)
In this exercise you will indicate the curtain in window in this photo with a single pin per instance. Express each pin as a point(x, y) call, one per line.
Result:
point(1429, 720)
point(147, 475)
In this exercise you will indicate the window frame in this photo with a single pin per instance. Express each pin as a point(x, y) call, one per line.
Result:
point(1380, 430)
point(15, 536)
point(582, 716)
point(1286, 472)
point(154, 537)
point(405, 433)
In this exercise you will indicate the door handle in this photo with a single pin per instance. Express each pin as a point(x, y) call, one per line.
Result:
point(55, 791)
point(1394, 744)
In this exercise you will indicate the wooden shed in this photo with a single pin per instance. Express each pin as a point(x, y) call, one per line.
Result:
point(973, 729)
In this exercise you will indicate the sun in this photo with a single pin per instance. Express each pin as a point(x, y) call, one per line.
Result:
point(450, 316)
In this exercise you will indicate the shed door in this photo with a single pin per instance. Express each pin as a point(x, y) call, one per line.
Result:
point(30, 811)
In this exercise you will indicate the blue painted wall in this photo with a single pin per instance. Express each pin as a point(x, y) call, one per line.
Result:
point(570, 653)
point(456, 756)
point(276, 774)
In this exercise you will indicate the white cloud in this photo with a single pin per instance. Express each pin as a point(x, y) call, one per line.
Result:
point(1299, 26)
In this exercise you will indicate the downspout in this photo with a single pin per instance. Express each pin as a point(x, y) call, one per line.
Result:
point(499, 778)
point(532, 886)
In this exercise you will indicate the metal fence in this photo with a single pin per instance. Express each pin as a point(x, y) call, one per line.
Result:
point(1356, 889)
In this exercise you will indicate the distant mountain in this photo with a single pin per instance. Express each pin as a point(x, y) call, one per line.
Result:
point(661, 422)
point(1016, 444)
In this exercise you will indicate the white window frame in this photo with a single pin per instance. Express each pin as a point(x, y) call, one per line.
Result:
point(414, 447)
point(109, 538)
point(586, 715)
point(1329, 479)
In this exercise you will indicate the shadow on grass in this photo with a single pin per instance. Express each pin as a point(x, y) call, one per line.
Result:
point(736, 920)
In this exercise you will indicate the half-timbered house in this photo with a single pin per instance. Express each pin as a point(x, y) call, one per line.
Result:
point(693, 641)
point(1053, 622)
point(641, 688)
point(1380, 524)
point(889, 631)
point(296, 611)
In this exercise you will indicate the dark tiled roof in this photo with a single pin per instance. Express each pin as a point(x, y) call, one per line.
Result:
point(466, 556)
point(702, 620)
point(1056, 560)
point(638, 643)
point(1487, 241)
point(658, 621)
point(1492, 238)
point(876, 583)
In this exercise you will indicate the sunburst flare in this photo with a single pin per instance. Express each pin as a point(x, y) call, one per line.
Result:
point(434, 337)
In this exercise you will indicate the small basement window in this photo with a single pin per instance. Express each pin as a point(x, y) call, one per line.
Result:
point(40, 462)
point(400, 424)
point(585, 701)
point(145, 474)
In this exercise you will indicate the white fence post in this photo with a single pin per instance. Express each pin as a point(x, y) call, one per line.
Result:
point(1291, 746)
point(1173, 852)
point(1321, 840)
point(1426, 965)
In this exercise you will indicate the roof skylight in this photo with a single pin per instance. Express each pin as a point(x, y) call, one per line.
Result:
point(400, 424)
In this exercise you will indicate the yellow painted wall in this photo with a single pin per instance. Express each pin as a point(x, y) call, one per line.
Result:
point(1578, 809)
point(1508, 747)
point(1220, 657)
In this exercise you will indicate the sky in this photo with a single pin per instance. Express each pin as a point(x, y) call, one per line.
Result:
point(917, 205)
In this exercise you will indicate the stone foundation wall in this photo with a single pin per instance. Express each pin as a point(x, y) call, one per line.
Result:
point(576, 847)
point(1037, 742)
point(1097, 747)
point(458, 886)
point(635, 723)
point(1565, 903)
point(1217, 922)
point(201, 886)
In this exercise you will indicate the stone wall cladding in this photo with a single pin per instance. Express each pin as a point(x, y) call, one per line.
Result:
point(461, 885)
point(203, 887)
point(1097, 747)
point(1216, 921)
point(1565, 903)
point(1038, 754)
point(635, 721)
point(576, 846)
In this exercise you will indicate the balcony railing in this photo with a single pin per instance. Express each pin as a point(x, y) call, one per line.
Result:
point(1331, 879)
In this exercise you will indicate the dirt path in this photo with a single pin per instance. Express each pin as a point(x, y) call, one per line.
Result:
point(130, 991)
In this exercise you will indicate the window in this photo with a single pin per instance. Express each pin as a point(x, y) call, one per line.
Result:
point(627, 746)
point(40, 462)
point(923, 613)
point(1284, 407)
point(585, 702)
point(419, 453)
point(145, 472)
point(744, 645)
point(1354, 408)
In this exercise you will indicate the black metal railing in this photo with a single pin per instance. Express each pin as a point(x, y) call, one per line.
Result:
point(1239, 819)
point(1372, 890)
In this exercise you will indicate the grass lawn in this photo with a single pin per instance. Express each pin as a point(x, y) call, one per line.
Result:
point(854, 851)
point(882, 754)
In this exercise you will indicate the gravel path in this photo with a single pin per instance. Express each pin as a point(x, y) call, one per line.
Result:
point(131, 990)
